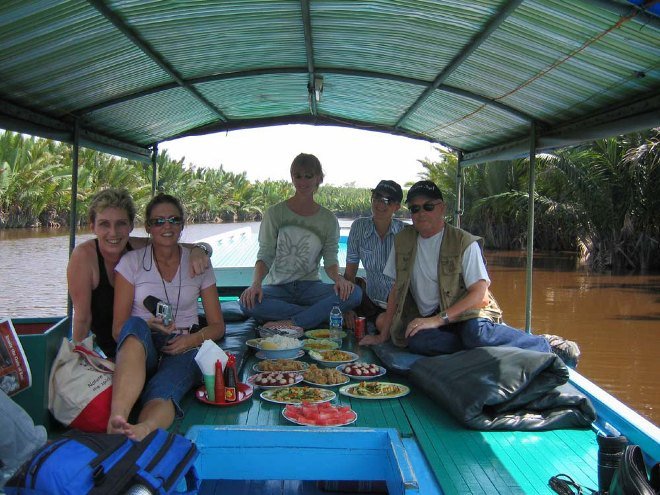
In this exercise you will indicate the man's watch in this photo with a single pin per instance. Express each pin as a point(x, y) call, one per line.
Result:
point(444, 317)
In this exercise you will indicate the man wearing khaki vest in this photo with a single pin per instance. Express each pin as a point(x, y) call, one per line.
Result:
point(440, 302)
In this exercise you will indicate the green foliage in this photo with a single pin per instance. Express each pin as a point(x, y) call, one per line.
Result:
point(602, 199)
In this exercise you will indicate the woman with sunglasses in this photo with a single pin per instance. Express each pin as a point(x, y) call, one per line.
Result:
point(155, 359)
point(286, 291)
point(370, 241)
point(440, 302)
point(91, 268)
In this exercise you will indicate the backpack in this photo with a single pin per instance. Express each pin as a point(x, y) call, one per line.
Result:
point(107, 464)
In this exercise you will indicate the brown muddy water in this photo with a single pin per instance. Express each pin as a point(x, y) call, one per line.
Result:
point(614, 318)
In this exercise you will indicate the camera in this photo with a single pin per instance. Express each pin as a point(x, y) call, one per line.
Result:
point(164, 311)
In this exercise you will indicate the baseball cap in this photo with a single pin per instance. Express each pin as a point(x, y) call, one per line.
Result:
point(389, 189)
point(424, 188)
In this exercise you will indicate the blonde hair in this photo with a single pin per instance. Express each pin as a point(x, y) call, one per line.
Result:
point(308, 163)
point(112, 198)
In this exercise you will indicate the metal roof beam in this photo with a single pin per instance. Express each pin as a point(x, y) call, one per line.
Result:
point(300, 70)
point(119, 23)
point(636, 12)
point(302, 119)
point(634, 116)
point(474, 43)
point(309, 53)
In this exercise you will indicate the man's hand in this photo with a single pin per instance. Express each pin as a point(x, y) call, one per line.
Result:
point(252, 294)
point(419, 324)
point(349, 319)
point(373, 339)
point(343, 288)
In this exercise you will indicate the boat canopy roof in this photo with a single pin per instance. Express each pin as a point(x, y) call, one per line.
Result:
point(474, 76)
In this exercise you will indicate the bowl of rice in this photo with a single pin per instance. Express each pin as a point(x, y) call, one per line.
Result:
point(279, 347)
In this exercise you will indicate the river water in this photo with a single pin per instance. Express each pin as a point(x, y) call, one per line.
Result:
point(614, 318)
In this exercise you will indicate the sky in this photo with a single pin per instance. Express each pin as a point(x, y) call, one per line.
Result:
point(348, 156)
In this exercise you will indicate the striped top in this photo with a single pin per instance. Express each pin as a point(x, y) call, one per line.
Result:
point(365, 245)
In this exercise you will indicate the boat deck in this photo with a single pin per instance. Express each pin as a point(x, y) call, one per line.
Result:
point(463, 461)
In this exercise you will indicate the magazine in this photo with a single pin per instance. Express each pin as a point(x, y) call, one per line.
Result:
point(15, 372)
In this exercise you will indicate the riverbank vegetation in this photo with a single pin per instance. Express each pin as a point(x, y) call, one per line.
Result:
point(601, 200)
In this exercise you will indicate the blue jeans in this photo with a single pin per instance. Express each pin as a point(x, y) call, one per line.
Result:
point(305, 302)
point(168, 376)
point(468, 334)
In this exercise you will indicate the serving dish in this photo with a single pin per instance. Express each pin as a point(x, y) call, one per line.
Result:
point(298, 395)
point(333, 357)
point(361, 371)
point(325, 333)
point(374, 390)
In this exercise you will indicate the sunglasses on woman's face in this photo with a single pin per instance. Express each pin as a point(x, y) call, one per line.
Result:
point(160, 221)
point(427, 207)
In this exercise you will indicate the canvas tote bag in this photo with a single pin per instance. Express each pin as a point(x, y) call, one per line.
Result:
point(80, 387)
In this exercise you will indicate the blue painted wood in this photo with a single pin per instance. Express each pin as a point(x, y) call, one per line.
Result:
point(302, 453)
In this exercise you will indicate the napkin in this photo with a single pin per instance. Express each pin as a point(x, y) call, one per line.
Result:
point(207, 355)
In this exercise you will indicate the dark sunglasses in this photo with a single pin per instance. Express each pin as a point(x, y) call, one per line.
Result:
point(159, 222)
point(427, 207)
point(382, 199)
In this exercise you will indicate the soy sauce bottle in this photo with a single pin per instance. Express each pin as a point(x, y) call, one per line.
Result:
point(231, 391)
point(219, 383)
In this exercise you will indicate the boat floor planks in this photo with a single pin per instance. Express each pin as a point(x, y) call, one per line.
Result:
point(463, 461)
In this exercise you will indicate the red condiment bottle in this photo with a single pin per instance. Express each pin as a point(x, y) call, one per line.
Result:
point(219, 382)
point(231, 381)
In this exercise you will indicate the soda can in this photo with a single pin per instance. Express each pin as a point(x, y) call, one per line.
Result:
point(360, 327)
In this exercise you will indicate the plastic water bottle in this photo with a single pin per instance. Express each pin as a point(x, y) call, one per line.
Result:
point(336, 319)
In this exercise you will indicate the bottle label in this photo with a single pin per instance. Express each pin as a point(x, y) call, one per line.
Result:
point(230, 394)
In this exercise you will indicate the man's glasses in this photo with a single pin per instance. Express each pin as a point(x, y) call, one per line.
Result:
point(377, 198)
point(427, 207)
point(160, 221)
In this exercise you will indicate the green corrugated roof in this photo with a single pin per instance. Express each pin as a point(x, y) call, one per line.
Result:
point(470, 75)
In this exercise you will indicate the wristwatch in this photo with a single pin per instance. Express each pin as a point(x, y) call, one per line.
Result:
point(444, 317)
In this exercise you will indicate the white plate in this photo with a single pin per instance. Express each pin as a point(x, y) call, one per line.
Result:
point(258, 370)
point(320, 426)
point(340, 368)
point(348, 390)
point(318, 357)
point(269, 395)
point(297, 379)
point(326, 385)
point(254, 343)
point(266, 355)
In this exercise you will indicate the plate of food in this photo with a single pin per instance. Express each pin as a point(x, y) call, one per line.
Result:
point(319, 344)
point(280, 347)
point(280, 365)
point(298, 395)
point(324, 377)
point(333, 358)
point(275, 379)
point(361, 371)
point(374, 390)
point(325, 333)
point(294, 333)
point(244, 393)
point(324, 414)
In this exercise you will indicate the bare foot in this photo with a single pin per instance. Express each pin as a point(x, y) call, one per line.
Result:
point(276, 325)
point(119, 425)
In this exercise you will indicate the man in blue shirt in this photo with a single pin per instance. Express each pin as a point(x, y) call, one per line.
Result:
point(370, 241)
